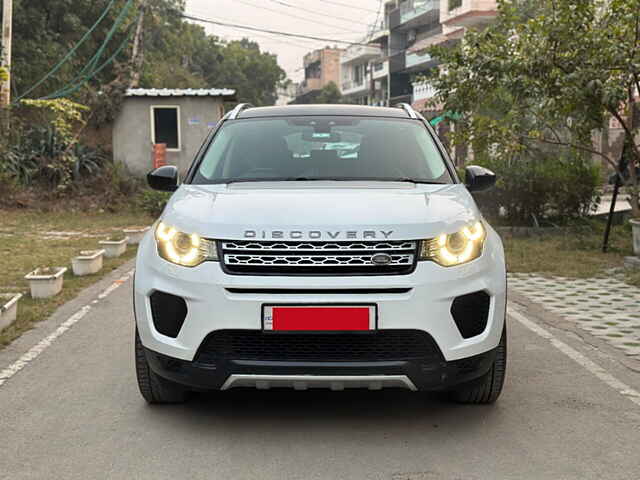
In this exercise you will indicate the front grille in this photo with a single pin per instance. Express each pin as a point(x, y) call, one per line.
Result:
point(381, 345)
point(317, 257)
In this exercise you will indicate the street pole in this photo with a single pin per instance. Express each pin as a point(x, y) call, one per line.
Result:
point(5, 86)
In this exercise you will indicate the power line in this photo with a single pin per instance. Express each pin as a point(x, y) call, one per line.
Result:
point(72, 88)
point(274, 32)
point(305, 19)
point(70, 54)
point(314, 12)
point(349, 6)
point(375, 23)
point(309, 45)
point(298, 45)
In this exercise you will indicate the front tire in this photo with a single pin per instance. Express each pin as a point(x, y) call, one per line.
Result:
point(488, 388)
point(153, 387)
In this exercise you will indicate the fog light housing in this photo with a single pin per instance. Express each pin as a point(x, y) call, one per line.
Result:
point(471, 313)
point(168, 312)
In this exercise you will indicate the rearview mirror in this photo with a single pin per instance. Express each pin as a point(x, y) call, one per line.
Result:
point(479, 179)
point(164, 178)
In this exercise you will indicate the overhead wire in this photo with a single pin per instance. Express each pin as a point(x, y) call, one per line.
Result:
point(69, 54)
point(348, 6)
point(308, 43)
point(297, 17)
point(274, 32)
point(314, 12)
point(72, 88)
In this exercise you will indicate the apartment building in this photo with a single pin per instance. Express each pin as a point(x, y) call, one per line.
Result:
point(321, 67)
point(358, 85)
point(385, 73)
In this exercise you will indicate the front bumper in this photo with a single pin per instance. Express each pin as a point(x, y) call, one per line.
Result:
point(217, 301)
point(412, 375)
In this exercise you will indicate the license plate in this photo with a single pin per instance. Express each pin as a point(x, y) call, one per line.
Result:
point(319, 318)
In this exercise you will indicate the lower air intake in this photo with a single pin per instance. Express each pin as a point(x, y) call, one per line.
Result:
point(381, 345)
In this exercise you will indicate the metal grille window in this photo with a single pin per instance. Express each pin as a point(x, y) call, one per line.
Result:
point(453, 4)
point(318, 258)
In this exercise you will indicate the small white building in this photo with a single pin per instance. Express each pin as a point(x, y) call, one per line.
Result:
point(181, 119)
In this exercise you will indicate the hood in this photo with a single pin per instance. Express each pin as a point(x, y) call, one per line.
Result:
point(321, 211)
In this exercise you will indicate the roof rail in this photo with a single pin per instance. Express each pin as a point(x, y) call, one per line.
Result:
point(233, 114)
point(409, 109)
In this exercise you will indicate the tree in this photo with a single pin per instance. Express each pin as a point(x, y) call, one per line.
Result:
point(178, 54)
point(330, 93)
point(547, 73)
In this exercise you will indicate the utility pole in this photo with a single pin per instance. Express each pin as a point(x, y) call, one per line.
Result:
point(5, 86)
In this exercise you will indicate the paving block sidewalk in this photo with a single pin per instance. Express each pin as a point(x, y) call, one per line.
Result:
point(605, 307)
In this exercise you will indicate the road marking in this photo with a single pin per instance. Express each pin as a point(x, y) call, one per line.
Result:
point(622, 388)
point(35, 351)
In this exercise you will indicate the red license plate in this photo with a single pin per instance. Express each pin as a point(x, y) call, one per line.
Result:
point(319, 318)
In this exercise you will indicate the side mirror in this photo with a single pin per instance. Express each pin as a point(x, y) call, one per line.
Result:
point(479, 179)
point(164, 178)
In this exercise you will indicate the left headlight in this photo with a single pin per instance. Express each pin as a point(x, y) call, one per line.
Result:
point(456, 248)
point(186, 249)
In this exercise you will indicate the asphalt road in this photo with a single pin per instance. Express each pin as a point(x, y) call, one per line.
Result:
point(75, 413)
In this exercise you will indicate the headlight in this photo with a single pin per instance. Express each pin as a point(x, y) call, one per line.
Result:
point(186, 249)
point(456, 248)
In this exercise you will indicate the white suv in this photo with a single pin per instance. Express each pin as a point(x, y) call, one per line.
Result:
point(321, 246)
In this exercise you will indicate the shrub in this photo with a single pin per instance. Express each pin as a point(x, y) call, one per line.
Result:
point(540, 189)
point(51, 160)
point(153, 202)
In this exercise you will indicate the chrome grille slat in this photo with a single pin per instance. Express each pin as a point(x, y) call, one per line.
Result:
point(314, 257)
point(318, 246)
point(313, 260)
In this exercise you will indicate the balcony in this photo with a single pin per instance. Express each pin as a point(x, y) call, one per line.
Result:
point(423, 94)
point(423, 91)
point(380, 32)
point(419, 60)
point(380, 69)
point(467, 13)
point(414, 13)
point(360, 53)
point(351, 87)
point(308, 85)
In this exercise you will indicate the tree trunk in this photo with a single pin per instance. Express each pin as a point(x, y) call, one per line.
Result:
point(137, 55)
point(634, 160)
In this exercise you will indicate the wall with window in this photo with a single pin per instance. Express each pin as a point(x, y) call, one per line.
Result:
point(182, 123)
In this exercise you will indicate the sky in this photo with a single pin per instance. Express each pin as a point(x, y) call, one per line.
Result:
point(347, 20)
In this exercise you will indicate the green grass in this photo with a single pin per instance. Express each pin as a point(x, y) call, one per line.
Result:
point(574, 254)
point(25, 245)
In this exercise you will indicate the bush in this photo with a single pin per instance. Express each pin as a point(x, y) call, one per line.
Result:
point(48, 159)
point(540, 189)
point(153, 202)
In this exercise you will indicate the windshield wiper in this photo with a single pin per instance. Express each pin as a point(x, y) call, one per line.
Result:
point(331, 179)
point(413, 180)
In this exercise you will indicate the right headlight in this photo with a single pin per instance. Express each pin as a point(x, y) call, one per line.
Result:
point(186, 249)
point(456, 248)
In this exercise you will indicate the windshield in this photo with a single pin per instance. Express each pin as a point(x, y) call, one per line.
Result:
point(322, 148)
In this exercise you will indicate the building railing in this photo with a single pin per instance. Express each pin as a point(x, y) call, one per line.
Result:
point(414, 8)
point(352, 84)
point(360, 51)
point(423, 90)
